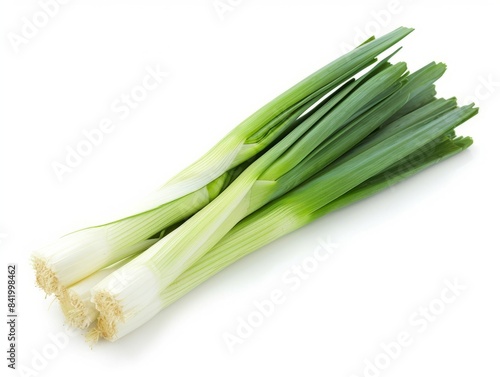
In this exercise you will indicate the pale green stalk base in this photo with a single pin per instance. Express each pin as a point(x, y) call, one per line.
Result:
point(56, 282)
point(75, 302)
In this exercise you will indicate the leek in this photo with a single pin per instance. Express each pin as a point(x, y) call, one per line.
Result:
point(329, 141)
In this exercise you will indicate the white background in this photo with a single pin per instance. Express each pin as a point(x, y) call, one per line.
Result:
point(395, 251)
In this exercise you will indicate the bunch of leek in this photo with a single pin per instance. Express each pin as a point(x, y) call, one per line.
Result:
point(329, 141)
